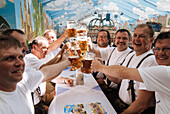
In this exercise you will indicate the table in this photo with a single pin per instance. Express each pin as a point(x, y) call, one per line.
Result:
point(87, 93)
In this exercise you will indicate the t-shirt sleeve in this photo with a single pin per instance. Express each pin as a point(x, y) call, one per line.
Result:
point(156, 78)
point(32, 78)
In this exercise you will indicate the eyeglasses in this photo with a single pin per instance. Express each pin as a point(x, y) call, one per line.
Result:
point(166, 49)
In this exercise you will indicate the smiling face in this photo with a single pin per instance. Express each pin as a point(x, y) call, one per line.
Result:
point(142, 40)
point(51, 37)
point(102, 39)
point(162, 57)
point(11, 65)
point(122, 41)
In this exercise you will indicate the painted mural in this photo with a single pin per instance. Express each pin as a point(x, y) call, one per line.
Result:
point(27, 15)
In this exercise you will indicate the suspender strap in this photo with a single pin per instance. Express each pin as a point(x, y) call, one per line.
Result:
point(131, 85)
point(110, 57)
point(125, 57)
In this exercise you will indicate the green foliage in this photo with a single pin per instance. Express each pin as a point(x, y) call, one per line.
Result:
point(38, 17)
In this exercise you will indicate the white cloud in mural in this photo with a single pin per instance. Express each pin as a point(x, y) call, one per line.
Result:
point(149, 10)
point(142, 14)
point(56, 5)
point(135, 1)
point(2, 3)
point(111, 6)
point(122, 18)
point(163, 5)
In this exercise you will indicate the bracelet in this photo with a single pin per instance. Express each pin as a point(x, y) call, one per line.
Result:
point(65, 81)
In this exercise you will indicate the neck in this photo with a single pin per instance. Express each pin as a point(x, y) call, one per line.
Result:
point(8, 87)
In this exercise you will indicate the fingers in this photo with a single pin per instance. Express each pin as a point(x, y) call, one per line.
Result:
point(69, 82)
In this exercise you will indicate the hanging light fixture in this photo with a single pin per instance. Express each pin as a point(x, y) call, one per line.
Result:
point(65, 13)
point(90, 2)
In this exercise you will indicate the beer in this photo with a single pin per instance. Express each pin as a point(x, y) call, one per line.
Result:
point(81, 32)
point(87, 65)
point(79, 53)
point(83, 45)
point(75, 62)
point(71, 32)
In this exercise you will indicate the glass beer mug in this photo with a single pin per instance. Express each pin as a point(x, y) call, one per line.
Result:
point(83, 44)
point(87, 60)
point(81, 30)
point(74, 59)
point(71, 29)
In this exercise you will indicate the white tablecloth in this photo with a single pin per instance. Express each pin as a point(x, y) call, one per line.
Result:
point(87, 93)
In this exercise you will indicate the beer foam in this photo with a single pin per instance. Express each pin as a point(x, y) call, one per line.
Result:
point(88, 58)
point(73, 57)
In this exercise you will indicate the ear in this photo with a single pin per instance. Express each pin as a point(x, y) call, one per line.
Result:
point(34, 46)
point(152, 39)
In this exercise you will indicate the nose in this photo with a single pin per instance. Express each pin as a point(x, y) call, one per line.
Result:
point(19, 62)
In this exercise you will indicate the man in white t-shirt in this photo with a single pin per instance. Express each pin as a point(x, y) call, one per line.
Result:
point(116, 55)
point(15, 84)
point(142, 41)
point(39, 47)
point(103, 41)
point(155, 78)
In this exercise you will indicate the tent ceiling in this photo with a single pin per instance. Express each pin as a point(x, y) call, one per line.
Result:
point(84, 10)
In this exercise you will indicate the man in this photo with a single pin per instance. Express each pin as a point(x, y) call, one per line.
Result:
point(35, 60)
point(103, 41)
point(155, 78)
point(54, 43)
point(142, 57)
point(16, 85)
point(115, 56)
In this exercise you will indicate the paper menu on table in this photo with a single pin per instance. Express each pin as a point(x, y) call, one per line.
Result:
point(89, 108)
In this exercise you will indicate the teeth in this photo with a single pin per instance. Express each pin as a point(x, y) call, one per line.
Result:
point(18, 71)
point(161, 58)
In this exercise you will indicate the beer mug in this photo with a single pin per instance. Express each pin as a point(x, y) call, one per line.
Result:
point(74, 59)
point(87, 60)
point(71, 29)
point(83, 44)
point(81, 30)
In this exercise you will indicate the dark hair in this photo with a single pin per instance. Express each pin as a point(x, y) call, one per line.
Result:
point(31, 44)
point(7, 42)
point(8, 32)
point(124, 30)
point(151, 29)
point(108, 34)
point(161, 36)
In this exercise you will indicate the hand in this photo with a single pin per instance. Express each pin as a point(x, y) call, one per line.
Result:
point(96, 64)
point(68, 81)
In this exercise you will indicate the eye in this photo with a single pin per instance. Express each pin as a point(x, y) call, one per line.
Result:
point(10, 58)
point(21, 57)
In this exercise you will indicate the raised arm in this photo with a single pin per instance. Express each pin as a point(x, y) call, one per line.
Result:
point(117, 71)
point(53, 70)
point(56, 44)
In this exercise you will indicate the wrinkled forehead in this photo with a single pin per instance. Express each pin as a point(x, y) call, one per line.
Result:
point(10, 51)
point(43, 43)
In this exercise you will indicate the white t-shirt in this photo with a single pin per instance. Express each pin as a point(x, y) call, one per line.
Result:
point(158, 79)
point(108, 48)
point(116, 58)
point(124, 94)
point(33, 62)
point(20, 100)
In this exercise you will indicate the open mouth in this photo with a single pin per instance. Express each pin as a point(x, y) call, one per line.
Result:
point(137, 44)
point(17, 71)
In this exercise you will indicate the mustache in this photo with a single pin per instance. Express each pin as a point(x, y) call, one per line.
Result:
point(121, 43)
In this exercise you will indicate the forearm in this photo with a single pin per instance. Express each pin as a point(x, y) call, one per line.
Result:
point(121, 72)
point(52, 71)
